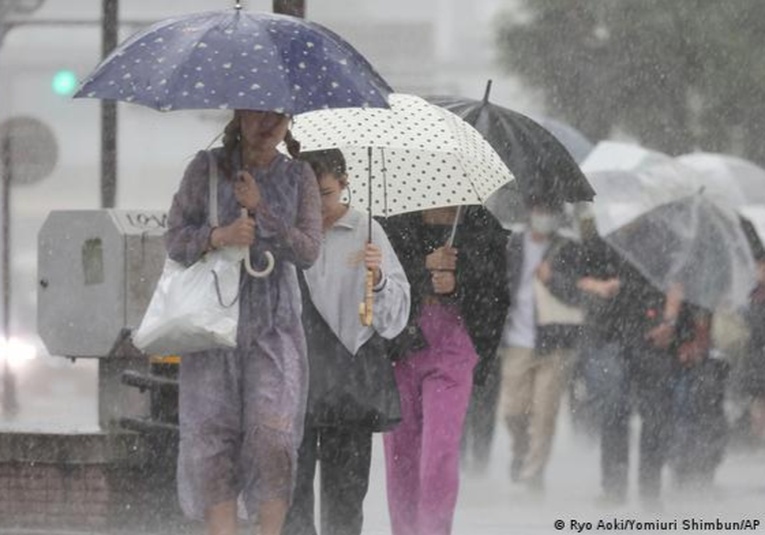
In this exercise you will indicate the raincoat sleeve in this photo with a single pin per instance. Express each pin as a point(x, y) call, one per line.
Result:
point(300, 244)
point(188, 228)
point(392, 303)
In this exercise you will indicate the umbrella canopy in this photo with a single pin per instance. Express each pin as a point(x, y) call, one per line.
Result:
point(741, 175)
point(616, 155)
point(673, 179)
point(671, 231)
point(575, 142)
point(411, 157)
point(624, 194)
point(540, 162)
point(753, 230)
point(233, 59)
point(755, 215)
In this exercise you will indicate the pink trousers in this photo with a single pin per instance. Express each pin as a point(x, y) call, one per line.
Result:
point(422, 452)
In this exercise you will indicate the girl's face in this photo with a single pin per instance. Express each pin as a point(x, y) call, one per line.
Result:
point(264, 129)
point(331, 189)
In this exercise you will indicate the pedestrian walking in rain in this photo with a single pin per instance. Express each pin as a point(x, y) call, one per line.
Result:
point(480, 421)
point(754, 378)
point(626, 346)
point(242, 410)
point(457, 312)
point(535, 357)
point(352, 391)
point(699, 429)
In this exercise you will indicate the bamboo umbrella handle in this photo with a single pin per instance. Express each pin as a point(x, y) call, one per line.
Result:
point(365, 308)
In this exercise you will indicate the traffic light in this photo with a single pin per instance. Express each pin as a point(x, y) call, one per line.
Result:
point(64, 82)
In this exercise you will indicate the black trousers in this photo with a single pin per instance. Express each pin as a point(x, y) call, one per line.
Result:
point(480, 422)
point(644, 376)
point(345, 455)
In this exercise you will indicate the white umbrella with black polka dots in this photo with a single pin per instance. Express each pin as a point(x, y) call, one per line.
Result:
point(412, 156)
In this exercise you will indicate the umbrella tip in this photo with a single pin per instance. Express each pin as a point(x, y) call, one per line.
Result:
point(486, 93)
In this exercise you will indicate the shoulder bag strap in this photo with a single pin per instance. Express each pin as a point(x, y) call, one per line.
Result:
point(213, 197)
point(213, 219)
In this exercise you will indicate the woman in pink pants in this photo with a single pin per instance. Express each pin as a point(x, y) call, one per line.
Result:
point(458, 308)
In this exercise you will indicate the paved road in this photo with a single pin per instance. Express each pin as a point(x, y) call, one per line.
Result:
point(491, 505)
point(63, 397)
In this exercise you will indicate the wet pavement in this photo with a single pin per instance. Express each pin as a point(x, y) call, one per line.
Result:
point(490, 504)
point(61, 396)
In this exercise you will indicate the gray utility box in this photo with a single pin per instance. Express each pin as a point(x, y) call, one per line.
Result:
point(97, 271)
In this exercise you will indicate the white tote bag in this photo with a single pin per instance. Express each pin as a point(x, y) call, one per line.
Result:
point(552, 311)
point(195, 308)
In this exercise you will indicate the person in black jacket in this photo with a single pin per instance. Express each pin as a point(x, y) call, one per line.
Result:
point(628, 344)
point(458, 307)
point(754, 362)
point(754, 384)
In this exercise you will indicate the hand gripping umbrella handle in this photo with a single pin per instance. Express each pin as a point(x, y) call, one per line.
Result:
point(270, 263)
point(365, 308)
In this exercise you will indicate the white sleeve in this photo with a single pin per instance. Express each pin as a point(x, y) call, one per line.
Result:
point(392, 296)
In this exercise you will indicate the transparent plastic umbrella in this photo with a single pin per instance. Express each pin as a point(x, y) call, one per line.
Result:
point(743, 176)
point(616, 155)
point(672, 231)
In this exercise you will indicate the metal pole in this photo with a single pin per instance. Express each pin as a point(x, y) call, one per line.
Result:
point(9, 401)
point(296, 8)
point(109, 35)
point(6, 233)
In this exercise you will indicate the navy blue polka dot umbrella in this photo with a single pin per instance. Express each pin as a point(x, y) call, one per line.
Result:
point(234, 59)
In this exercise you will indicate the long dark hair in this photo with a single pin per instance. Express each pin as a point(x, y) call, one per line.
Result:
point(232, 141)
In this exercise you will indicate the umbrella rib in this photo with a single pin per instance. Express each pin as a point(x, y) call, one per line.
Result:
point(279, 52)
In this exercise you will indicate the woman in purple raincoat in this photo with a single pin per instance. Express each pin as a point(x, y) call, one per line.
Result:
point(242, 410)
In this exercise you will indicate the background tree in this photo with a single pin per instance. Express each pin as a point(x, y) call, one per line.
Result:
point(678, 75)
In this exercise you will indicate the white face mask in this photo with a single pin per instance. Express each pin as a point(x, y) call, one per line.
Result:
point(542, 223)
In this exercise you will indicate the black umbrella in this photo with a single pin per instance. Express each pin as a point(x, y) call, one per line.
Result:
point(755, 243)
point(574, 141)
point(541, 164)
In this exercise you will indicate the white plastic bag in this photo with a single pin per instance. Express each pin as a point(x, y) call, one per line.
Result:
point(196, 308)
point(189, 312)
